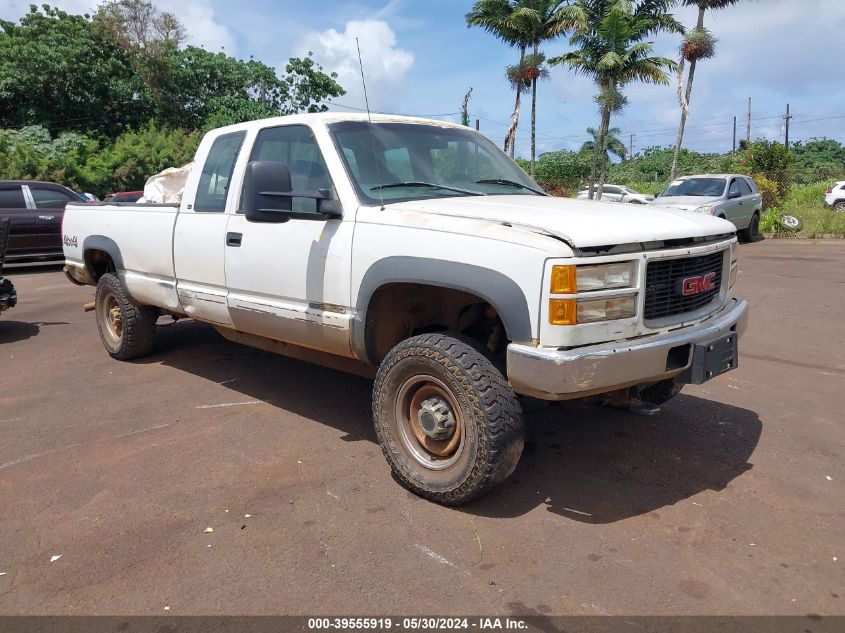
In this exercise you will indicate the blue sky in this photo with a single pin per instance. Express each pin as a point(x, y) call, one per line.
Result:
point(420, 58)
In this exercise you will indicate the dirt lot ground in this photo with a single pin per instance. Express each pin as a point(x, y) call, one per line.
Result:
point(731, 501)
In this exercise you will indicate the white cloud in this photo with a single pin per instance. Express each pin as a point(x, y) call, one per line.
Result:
point(385, 64)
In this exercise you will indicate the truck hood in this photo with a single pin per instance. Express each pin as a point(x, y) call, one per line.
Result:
point(581, 223)
point(685, 203)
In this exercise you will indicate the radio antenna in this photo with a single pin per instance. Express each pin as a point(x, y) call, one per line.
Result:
point(370, 120)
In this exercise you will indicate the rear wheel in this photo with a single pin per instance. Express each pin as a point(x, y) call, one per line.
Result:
point(839, 206)
point(127, 329)
point(447, 421)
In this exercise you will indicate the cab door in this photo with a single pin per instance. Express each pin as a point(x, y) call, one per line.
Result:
point(50, 203)
point(199, 237)
point(289, 280)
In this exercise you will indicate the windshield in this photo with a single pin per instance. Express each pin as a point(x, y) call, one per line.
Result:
point(709, 187)
point(395, 162)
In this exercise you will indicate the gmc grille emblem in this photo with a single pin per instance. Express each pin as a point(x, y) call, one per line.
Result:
point(696, 285)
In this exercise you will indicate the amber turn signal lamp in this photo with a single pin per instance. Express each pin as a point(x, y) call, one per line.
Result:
point(563, 280)
point(562, 311)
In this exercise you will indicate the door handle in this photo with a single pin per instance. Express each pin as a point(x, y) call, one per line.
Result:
point(234, 239)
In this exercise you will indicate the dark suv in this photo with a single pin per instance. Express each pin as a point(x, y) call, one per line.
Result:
point(36, 210)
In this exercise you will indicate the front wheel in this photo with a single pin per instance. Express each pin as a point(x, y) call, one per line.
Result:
point(447, 421)
point(752, 233)
point(127, 329)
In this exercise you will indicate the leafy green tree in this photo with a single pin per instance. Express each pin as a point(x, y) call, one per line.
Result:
point(698, 44)
point(147, 35)
point(609, 48)
point(62, 71)
point(215, 89)
point(135, 156)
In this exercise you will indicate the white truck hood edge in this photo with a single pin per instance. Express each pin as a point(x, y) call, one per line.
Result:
point(581, 223)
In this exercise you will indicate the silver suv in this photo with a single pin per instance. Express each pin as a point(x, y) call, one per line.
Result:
point(731, 196)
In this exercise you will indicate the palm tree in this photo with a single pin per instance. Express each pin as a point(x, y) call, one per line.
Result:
point(545, 20)
point(525, 24)
point(609, 48)
point(497, 17)
point(698, 44)
point(615, 146)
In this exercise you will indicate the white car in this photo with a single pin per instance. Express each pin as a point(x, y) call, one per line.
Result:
point(417, 253)
point(616, 193)
point(835, 196)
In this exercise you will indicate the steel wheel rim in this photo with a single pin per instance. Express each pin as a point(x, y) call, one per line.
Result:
point(112, 319)
point(432, 454)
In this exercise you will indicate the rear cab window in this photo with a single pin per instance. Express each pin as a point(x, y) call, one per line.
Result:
point(213, 188)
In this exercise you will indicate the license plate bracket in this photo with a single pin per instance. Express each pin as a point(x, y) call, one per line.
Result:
point(712, 359)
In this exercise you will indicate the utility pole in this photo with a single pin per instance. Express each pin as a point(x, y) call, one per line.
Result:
point(786, 118)
point(631, 150)
point(748, 124)
point(734, 143)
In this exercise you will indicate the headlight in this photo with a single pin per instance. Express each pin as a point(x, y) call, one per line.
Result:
point(606, 309)
point(571, 279)
point(605, 276)
point(709, 209)
point(572, 311)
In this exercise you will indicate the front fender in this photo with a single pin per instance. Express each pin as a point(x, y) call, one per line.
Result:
point(494, 287)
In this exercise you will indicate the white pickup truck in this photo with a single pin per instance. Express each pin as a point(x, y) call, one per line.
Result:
point(416, 252)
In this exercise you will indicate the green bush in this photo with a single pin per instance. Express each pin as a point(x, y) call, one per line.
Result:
point(769, 190)
point(561, 171)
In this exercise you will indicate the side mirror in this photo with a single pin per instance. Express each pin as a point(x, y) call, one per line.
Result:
point(734, 194)
point(268, 196)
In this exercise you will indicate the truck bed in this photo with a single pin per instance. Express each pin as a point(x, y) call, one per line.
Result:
point(138, 237)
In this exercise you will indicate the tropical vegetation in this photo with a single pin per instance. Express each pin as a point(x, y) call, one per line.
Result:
point(119, 96)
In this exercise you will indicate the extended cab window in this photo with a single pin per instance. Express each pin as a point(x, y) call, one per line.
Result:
point(217, 172)
point(295, 147)
point(50, 198)
point(12, 198)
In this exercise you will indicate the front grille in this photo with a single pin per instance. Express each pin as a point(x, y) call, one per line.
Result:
point(663, 297)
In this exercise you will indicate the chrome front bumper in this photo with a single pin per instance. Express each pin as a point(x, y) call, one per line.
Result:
point(552, 374)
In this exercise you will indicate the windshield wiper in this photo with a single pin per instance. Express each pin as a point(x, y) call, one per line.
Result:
point(417, 183)
point(509, 183)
